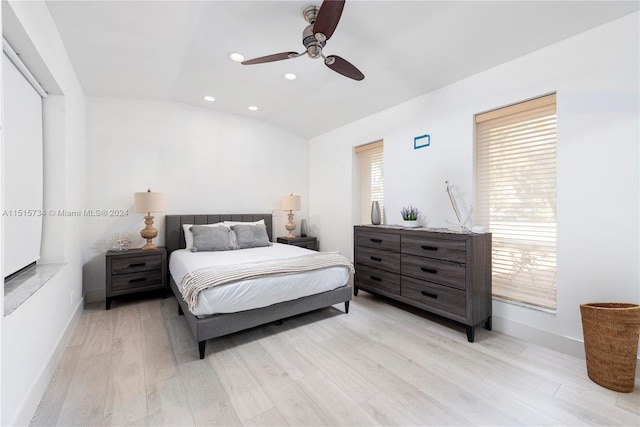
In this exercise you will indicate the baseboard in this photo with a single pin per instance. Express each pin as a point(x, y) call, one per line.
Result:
point(567, 345)
point(94, 296)
point(25, 414)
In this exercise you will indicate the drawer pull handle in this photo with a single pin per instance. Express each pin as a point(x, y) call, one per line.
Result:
point(375, 258)
point(140, 279)
point(137, 264)
point(376, 240)
point(429, 270)
point(429, 294)
point(377, 279)
point(429, 248)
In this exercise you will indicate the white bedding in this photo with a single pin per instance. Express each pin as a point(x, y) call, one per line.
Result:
point(255, 293)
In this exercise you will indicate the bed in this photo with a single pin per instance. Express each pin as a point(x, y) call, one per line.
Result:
point(205, 326)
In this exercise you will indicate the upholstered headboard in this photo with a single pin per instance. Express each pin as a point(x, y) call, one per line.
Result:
point(174, 233)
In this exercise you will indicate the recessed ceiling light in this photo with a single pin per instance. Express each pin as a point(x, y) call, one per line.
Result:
point(209, 98)
point(253, 108)
point(236, 57)
point(290, 76)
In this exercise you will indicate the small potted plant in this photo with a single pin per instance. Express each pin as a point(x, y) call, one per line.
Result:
point(410, 216)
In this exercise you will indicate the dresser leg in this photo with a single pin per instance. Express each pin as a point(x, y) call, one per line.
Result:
point(470, 333)
point(355, 291)
point(108, 303)
point(346, 307)
point(201, 346)
point(487, 324)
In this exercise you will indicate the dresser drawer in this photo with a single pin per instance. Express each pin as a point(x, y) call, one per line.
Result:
point(434, 270)
point(431, 295)
point(448, 250)
point(377, 279)
point(136, 264)
point(385, 260)
point(378, 240)
point(134, 281)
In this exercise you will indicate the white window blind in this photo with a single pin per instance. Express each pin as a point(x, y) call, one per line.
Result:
point(22, 169)
point(516, 198)
point(370, 162)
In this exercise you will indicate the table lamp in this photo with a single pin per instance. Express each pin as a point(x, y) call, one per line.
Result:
point(291, 203)
point(148, 202)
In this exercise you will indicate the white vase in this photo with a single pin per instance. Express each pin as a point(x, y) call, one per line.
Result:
point(410, 224)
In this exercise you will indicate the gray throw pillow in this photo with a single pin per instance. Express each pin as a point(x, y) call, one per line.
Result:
point(251, 236)
point(210, 239)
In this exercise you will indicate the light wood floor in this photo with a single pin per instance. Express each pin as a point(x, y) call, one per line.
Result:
point(137, 364)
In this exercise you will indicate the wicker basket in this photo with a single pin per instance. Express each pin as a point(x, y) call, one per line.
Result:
point(611, 332)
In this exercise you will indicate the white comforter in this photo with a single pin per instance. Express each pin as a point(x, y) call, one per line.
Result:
point(254, 293)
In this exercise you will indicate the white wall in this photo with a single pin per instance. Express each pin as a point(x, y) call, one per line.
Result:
point(595, 75)
point(203, 160)
point(34, 335)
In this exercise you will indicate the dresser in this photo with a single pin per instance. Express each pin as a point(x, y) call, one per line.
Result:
point(444, 273)
point(135, 270)
point(303, 242)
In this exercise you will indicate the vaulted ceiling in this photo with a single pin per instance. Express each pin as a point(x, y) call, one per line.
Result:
point(179, 51)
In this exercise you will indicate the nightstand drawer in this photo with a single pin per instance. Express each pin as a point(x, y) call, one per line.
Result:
point(134, 281)
point(441, 272)
point(431, 295)
point(136, 264)
point(307, 242)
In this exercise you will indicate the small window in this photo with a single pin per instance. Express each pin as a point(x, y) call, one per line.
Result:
point(516, 198)
point(370, 164)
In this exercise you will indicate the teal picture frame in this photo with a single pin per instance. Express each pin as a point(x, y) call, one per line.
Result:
point(421, 141)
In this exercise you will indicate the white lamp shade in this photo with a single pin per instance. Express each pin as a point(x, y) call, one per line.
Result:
point(148, 201)
point(291, 203)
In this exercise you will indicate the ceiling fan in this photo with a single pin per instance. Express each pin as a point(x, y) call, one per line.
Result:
point(322, 21)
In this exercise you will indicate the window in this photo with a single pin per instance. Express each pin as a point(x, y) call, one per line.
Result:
point(370, 159)
point(516, 198)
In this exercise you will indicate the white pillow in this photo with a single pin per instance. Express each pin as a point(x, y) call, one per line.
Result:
point(188, 235)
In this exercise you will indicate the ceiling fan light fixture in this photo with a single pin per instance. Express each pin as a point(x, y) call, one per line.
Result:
point(236, 57)
point(290, 76)
point(209, 98)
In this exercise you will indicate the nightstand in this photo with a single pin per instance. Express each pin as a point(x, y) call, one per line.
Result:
point(135, 270)
point(304, 242)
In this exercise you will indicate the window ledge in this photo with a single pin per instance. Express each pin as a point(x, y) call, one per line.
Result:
point(19, 288)
point(526, 305)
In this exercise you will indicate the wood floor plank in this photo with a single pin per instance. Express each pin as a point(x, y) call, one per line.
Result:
point(56, 392)
point(126, 399)
point(334, 402)
point(168, 404)
point(272, 417)
point(353, 383)
point(245, 393)
point(415, 404)
point(208, 400)
point(159, 359)
point(85, 398)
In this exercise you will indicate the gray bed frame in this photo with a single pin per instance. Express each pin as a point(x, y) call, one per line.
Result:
point(217, 325)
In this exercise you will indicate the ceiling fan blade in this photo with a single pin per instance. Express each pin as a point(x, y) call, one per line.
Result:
point(328, 17)
point(344, 67)
point(271, 58)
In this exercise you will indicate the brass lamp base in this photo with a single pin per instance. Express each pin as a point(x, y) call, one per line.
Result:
point(290, 225)
point(149, 232)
